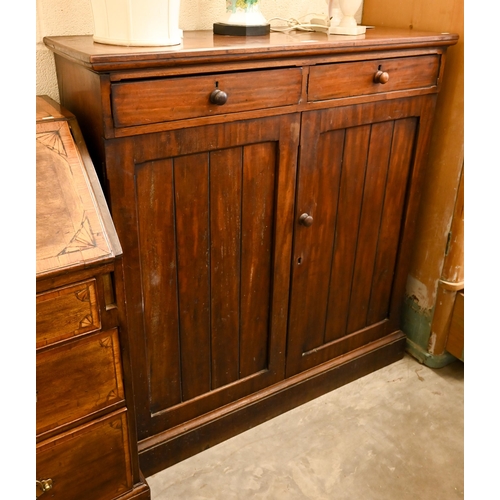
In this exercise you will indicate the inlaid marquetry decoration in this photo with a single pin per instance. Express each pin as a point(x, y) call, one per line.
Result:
point(86, 322)
point(69, 230)
point(106, 343)
point(83, 294)
point(112, 396)
point(116, 424)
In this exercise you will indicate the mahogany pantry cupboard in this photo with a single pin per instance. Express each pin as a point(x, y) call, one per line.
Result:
point(264, 190)
point(85, 429)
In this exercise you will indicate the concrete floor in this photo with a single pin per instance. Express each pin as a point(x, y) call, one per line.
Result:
point(396, 434)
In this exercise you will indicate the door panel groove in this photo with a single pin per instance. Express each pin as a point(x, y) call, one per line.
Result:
point(370, 216)
point(350, 199)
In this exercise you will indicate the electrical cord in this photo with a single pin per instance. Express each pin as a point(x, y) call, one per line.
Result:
point(296, 24)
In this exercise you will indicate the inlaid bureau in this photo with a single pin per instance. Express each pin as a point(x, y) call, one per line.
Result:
point(85, 424)
point(264, 190)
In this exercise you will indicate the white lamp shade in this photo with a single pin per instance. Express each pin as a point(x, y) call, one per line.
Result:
point(137, 22)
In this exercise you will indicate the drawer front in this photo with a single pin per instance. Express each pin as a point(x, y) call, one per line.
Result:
point(154, 101)
point(333, 81)
point(66, 312)
point(91, 462)
point(77, 379)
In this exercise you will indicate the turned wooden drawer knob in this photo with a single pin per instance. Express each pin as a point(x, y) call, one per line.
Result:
point(218, 97)
point(306, 220)
point(381, 77)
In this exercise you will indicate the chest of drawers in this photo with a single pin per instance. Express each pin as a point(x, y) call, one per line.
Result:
point(85, 424)
point(265, 191)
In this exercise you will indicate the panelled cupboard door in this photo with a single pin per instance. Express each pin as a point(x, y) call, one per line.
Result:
point(357, 166)
point(205, 218)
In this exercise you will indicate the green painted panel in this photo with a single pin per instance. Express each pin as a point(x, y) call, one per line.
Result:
point(416, 322)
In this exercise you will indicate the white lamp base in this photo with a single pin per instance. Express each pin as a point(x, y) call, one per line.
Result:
point(347, 30)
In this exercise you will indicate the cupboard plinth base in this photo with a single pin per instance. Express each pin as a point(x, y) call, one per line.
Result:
point(172, 446)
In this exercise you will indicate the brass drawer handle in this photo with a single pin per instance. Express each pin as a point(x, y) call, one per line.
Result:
point(381, 77)
point(43, 486)
point(218, 97)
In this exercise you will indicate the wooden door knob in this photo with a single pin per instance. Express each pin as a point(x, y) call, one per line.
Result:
point(218, 97)
point(381, 77)
point(306, 220)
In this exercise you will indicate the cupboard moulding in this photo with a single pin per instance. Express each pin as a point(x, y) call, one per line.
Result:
point(265, 195)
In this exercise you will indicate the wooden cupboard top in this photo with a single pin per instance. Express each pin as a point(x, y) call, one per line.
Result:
point(73, 228)
point(198, 47)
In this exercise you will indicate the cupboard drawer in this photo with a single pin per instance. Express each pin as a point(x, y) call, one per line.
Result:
point(90, 462)
point(332, 81)
point(153, 101)
point(66, 312)
point(77, 379)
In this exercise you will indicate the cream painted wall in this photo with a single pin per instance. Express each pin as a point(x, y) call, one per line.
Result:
point(74, 17)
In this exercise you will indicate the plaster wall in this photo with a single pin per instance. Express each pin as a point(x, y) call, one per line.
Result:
point(74, 17)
